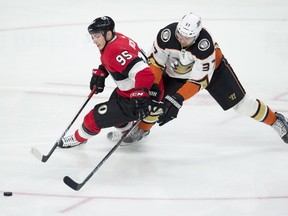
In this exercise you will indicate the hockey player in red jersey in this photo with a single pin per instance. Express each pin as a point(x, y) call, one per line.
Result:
point(123, 60)
point(185, 56)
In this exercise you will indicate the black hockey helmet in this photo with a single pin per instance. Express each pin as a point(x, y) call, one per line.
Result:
point(102, 25)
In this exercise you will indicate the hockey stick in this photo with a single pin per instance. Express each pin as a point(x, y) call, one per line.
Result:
point(77, 186)
point(44, 158)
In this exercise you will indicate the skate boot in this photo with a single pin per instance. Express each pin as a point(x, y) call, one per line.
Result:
point(115, 136)
point(281, 126)
point(136, 135)
point(69, 142)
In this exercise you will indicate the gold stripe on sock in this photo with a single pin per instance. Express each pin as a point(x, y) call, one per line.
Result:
point(261, 111)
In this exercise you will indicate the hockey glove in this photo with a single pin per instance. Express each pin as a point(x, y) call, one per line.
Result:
point(142, 101)
point(171, 107)
point(98, 80)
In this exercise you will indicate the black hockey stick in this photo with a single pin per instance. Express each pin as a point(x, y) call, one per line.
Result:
point(44, 158)
point(77, 186)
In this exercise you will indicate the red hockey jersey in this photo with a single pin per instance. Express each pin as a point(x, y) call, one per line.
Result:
point(127, 64)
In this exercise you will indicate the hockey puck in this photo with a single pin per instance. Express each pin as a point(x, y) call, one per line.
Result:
point(7, 193)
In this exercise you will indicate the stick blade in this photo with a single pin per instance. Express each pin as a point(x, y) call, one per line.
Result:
point(72, 184)
point(37, 154)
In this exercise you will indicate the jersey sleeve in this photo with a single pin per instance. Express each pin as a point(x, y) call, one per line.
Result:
point(158, 55)
point(163, 40)
point(205, 59)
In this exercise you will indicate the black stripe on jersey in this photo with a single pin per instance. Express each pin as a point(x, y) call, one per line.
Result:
point(202, 48)
point(124, 75)
point(101, 67)
point(166, 38)
point(205, 39)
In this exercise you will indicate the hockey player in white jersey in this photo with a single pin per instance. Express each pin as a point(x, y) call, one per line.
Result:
point(186, 59)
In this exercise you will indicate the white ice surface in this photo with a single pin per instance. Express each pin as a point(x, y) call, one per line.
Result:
point(206, 162)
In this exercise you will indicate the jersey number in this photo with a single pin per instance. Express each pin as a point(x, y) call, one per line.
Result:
point(123, 57)
point(206, 67)
point(126, 56)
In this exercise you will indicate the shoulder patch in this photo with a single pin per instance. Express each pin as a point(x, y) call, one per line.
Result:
point(204, 44)
point(165, 35)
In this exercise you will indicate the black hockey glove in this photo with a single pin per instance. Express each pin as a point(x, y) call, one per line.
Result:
point(156, 96)
point(98, 80)
point(171, 107)
point(142, 101)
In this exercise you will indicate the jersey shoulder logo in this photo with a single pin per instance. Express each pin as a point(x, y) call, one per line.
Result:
point(203, 44)
point(165, 35)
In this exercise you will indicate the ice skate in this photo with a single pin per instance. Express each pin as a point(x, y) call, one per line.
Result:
point(281, 126)
point(116, 135)
point(69, 142)
point(136, 135)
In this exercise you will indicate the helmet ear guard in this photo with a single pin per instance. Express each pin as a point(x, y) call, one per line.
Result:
point(189, 26)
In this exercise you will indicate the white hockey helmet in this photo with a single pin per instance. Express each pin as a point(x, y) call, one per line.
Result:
point(190, 25)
